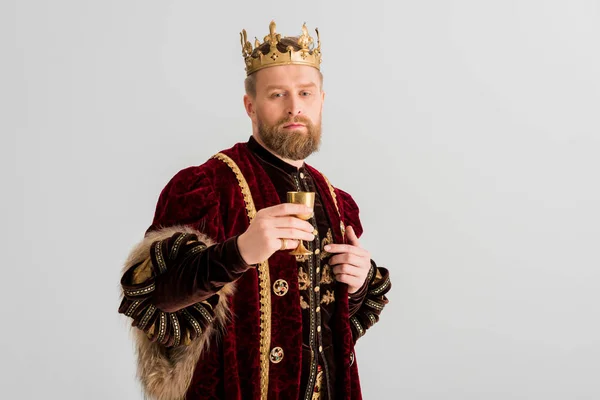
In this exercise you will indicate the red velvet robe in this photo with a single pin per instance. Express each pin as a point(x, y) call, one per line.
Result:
point(209, 199)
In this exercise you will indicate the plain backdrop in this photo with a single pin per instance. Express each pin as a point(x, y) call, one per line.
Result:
point(467, 131)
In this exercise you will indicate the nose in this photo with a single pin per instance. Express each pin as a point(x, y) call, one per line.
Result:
point(293, 107)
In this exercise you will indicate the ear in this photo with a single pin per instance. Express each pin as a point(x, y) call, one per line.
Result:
point(249, 106)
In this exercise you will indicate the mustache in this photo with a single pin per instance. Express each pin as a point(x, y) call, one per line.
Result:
point(298, 118)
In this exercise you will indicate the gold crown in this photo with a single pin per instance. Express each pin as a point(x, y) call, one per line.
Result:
point(306, 55)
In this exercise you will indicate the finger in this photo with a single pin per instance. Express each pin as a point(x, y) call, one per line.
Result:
point(345, 258)
point(289, 244)
point(348, 280)
point(292, 222)
point(345, 248)
point(352, 238)
point(292, 233)
point(346, 269)
point(286, 209)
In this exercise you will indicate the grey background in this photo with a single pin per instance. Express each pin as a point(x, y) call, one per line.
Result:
point(467, 131)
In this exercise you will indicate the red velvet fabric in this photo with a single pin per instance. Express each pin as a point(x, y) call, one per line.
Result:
point(208, 198)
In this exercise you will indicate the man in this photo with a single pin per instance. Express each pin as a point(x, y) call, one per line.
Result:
point(220, 306)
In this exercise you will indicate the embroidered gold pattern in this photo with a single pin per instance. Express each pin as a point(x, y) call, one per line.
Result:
point(264, 282)
point(303, 303)
point(276, 355)
point(204, 313)
point(302, 257)
point(381, 287)
point(372, 318)
point(162, 325)
point(326, 277)
point(133, 307)
point(373, 304)
point(329, 297)
point(280, 287)
point(302, 279)
point(333, 195)
point(327, 240)
point(192, 321)
point(318, 390)
point(176, 245)
point(358, 326)
point(139, 292)
point(176, 329)
point(196, 249)
point(146, 318)
point(162, 267)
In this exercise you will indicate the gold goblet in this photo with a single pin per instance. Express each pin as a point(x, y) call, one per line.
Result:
point(308, 199)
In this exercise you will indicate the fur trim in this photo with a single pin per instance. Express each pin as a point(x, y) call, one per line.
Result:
point(165, 374)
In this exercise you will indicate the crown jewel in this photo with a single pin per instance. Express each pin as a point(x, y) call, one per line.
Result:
point(307, 54)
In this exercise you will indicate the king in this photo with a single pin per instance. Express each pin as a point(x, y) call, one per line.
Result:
point(219, 307)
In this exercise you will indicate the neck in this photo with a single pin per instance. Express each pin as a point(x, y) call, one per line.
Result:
point(295, 163)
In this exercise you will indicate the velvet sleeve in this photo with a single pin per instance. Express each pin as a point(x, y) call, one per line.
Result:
point(356, 299)
point(172, 282)
point(375, 300)
point(366, 305)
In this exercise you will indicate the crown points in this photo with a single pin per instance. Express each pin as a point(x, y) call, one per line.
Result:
point(299, 51)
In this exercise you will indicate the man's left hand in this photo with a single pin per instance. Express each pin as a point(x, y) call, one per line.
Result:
point(352, 263)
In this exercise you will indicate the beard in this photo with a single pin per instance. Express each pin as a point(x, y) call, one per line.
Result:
point(290, 143)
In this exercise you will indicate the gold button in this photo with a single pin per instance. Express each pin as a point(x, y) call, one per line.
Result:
point(321, 349)
point(318, 269)
point(317, 251)
point(318, 309)
point(276, 355)
point(318, 329)
point(317, 289)
point(302, 175)
point(315, 232)
point(280, 287)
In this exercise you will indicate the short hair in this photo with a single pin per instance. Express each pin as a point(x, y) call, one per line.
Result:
point(282, 45)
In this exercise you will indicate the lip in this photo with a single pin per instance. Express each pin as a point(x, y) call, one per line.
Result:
point(293, 126)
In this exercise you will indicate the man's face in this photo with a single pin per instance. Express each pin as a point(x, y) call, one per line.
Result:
point(286, 112)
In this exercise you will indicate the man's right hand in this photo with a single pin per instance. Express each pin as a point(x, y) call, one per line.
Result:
point(269, 226)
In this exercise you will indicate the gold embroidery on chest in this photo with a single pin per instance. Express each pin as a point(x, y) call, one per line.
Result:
point(303, 304)
point(302, 258)
point(328, 239)
point(328, 297)
point(326, 276)
point(302, 279)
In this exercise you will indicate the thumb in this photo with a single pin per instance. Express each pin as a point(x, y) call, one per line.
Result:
point(351, 235)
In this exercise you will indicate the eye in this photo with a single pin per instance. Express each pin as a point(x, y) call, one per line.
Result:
point(305, 93)
point(277, 95)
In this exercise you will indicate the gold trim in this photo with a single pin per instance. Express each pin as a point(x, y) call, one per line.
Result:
point(373, 304)
point(264, 280)
point(140, 292)
point(372, 318)
point(147, 315)
point(358, 326)
point(203, 312)
point(333, 195)
point(133, 307)
point(196, 249)
point(159, 257)
point(192, 321)
point(162, 327)
point(176, 245)
point(381, 288)
point(176, 329)
point(332, 191)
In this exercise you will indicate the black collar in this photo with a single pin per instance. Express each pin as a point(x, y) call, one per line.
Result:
point(271, 158)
